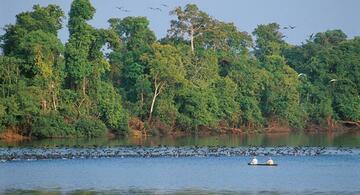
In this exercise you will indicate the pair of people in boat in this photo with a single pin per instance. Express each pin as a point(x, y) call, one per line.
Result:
point(254, 161)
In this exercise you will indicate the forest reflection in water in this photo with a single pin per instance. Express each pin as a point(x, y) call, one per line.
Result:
point(274, 139)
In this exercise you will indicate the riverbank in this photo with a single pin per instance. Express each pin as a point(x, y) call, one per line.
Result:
point(12, 137)
point(137, 130)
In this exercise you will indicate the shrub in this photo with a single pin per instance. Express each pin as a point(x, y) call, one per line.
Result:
point(51, 126)
point(110, 108)
point(90, 127)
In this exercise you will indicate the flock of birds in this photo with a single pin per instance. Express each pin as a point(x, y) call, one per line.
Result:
point(160, 9)
point(123, 9)
point(11, 154)
point(163, 6)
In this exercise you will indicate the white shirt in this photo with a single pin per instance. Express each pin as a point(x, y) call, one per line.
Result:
point(254, 161)
point(270, 162)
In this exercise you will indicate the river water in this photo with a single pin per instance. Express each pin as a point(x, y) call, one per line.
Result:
point(280, 139)
point(326, 174)
point(332, 168)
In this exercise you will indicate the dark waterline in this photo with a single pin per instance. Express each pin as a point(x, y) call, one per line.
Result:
point(281, 139)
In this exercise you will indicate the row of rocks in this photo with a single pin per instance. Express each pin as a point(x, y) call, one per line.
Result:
point(10, 154)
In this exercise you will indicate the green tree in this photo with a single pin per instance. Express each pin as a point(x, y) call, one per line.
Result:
point(32, 66)
point(82, 36)
point(47, 19)
point(229, 109)
point(281, 97)
point(9, 80)
point(129, 72)
point(33, 39)
point(110, 108)
point(250, 79)
point(85, 60)
point(269, 40)
point(330, 64)
point(43, 62)
point(198, 107)
point(166, 68)
point(190, 23)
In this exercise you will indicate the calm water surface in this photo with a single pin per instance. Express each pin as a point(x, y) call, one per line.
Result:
point(327, 174)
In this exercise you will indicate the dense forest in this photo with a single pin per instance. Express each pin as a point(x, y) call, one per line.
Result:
point(205, 75)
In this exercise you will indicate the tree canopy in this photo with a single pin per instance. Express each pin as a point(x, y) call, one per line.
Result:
point(206, 74)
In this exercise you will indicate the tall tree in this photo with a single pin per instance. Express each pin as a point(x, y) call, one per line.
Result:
point(225, 38)
point(166, 68)
point(33, 39)
point(269, 40)
point(331, 67)
point(128, 70)
point(280, 97)
point(190, 23)
point(44, 64)
point(250, 79)
point(47, 19)
point(79, 45)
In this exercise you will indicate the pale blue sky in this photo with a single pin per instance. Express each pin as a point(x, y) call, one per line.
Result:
point(309, 16)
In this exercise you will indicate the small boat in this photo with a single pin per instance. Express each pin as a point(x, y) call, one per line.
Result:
point(264, 164)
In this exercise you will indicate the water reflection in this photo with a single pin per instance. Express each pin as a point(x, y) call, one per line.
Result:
point(291, 139)
point(178, 192)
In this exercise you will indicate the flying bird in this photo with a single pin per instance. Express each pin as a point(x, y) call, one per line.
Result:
point(123, 9)
point(155, 9)
point(312, 35)
point(164, 5)
point(289, 27)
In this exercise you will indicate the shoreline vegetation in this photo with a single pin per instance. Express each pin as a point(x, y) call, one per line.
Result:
point(205, 77)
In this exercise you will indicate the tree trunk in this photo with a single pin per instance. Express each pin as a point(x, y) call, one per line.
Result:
point(54, 98)
point(157, 91)
point(153, 103)
point(141, 99)
point(330, 123)
point(152, 107)
point(192, 39)
point(84, 86)
point(357, 123)
point(43, 105)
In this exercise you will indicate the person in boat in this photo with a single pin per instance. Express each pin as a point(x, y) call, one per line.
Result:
point(270, 161)
point(254, 161)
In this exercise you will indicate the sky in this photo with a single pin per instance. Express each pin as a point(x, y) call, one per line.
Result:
point(309, 16)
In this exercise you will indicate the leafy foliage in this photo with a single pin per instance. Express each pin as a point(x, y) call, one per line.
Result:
point(52, 126)
point(90, 127)
point(206, 74)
